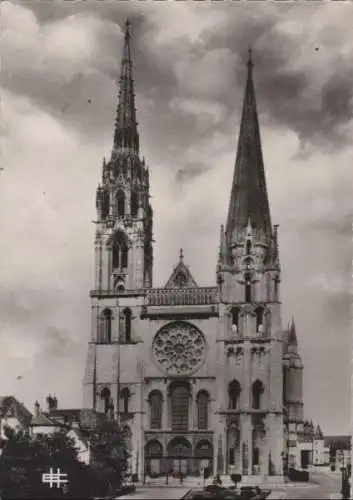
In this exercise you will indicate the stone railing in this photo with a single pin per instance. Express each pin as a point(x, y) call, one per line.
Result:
point(181, 296)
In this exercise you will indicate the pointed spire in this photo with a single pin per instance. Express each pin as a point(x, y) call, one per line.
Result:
point(292, 338)
point(181, 255)
point(126, 134)
point(249, 194)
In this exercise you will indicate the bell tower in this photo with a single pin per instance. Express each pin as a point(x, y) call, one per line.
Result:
point(123, 244)
point(248, 275)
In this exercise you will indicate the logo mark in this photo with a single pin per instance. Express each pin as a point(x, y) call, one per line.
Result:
point(56, 479)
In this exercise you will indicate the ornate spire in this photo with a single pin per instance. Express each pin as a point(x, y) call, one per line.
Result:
point(126, 134)
point(249, 194)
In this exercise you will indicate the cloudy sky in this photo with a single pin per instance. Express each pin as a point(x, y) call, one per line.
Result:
point(60, 67)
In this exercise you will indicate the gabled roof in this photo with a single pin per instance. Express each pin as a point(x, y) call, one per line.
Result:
point(85, 417)
point(181, 276)
point(11, 407)
point(43, 420)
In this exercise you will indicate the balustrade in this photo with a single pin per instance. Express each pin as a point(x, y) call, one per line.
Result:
point(182, 296)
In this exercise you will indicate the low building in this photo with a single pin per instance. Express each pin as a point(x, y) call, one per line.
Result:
point(339, 450)
point(76, 422)
point(14, 415)
point(310, 448)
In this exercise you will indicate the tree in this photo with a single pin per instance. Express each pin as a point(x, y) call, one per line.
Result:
point(110, 454)
point(25, 459)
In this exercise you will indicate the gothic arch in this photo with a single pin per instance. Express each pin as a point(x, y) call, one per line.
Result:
point(179, 447)
point(155, 399)
point(120, 203)
point(105, 326)
point(235, 316)
point(257, 390)
point(203, 403)
point(153, 457)
point(179, 393)
point(134, 203)
point(105, 398)
point(234, 390)
point(125, 399)
point(260, 317)
point(120, 250)
point(125, 326)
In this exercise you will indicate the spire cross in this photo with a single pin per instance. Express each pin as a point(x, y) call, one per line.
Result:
point(181, 255)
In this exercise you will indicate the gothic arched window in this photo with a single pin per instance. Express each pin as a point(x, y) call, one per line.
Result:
point(127, 314)
point(120, 203)
point(247, 279)
point(202, 402)
point(179, 404)
point(105, 397)
point(156, 407)
point(235, 318)
point(134, 204)
point(257, 392)
point(276, 289)
point(248, 247)
point(234, 390)
point(120, 252)
point(105, 327)
point(259, 312)
point(125, 397)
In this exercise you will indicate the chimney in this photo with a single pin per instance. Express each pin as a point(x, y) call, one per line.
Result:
point(50, 403)
point(36, 409)
point(55, 403)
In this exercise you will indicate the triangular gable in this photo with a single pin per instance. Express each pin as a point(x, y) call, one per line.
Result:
point(181, 276)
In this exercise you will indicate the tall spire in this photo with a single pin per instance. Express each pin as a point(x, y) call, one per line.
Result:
point(126, 134)
point(249, 194)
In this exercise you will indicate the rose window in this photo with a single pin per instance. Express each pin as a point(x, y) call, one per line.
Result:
point(179, 348)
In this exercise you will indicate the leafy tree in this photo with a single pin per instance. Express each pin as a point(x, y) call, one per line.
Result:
point(25, 459)
point(110, 454)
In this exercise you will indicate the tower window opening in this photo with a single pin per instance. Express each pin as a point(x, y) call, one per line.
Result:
point(125, 397)
point(247, 287)
point(105, 397)
point(134, 204)
point(257, 393)
point(105, 327)
point(259, 312)
point(120, 203)
point(248, 247)
point(234, 390)
point(127, 325)
point(120, 252)
point(235, 319)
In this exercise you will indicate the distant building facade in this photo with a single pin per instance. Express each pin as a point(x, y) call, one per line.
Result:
point(76, 423)
point(196, 376)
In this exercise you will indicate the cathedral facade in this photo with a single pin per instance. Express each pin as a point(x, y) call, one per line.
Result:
point(196, 376)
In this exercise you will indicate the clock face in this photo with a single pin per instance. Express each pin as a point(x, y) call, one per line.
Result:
point(179, 348)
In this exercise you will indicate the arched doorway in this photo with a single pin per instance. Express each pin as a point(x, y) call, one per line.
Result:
point(153, 458)
point(179, 456)
point(204, 456)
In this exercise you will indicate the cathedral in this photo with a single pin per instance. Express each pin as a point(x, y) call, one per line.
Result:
point(197, 377)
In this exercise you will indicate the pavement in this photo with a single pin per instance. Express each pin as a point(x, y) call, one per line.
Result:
point(161, 493)
point(323, 486)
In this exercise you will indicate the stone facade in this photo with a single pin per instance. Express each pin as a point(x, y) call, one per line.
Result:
point(197, 376)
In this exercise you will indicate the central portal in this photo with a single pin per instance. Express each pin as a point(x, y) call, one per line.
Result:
point(179, 456)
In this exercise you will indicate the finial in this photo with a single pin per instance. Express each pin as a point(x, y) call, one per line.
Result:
point(127, 28)
point(181, 255)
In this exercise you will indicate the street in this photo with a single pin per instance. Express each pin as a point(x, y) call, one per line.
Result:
point(328, 486)
point(163, 493)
